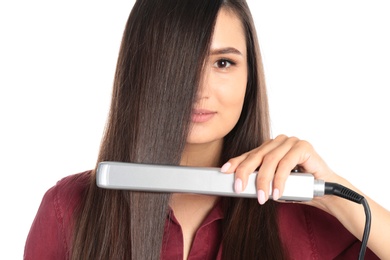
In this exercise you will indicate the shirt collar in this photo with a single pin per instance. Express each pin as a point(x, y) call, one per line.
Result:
point(216, 213)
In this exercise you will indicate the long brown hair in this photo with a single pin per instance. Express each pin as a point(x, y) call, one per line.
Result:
point(163, 49)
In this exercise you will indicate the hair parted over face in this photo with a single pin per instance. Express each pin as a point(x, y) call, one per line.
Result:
point(158, 73)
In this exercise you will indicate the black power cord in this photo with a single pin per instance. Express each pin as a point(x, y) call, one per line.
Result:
point(343, 192)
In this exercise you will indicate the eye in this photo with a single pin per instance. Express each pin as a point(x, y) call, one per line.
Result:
point(223, 64)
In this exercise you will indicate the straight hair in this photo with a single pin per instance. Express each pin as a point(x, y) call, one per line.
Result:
point(159, 69)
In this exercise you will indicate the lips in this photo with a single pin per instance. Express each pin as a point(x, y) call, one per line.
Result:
point(202, 115)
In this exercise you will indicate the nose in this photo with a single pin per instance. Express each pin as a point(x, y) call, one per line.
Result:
point(204, 87)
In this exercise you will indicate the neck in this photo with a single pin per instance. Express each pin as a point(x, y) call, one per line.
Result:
point(202, 155)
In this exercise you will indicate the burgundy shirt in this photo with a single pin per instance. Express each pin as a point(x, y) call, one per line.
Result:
point(306, 232)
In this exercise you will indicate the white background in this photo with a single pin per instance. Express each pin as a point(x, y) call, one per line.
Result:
point(327, 69)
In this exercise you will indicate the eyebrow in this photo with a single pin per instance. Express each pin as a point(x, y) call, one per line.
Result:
point(226, 50)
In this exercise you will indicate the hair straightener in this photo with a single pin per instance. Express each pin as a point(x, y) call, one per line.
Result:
point(210, 181)
point(200, 180)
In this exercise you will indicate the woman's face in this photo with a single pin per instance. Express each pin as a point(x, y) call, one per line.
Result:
point(221, 94)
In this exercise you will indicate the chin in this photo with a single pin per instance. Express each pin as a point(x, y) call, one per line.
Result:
point(203, 139)
point(200, 140)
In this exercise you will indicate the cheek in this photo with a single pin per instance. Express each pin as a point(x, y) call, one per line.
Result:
point(231, 96)
point(231, 103)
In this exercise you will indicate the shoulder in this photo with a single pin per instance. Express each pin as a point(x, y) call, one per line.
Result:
point(50, 233)
point(72, 187)
point(65, 196)
point(310, 233)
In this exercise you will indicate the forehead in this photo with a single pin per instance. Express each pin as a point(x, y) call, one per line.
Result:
point(228, 32)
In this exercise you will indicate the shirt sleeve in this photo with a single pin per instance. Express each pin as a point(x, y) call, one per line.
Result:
point(46, 238)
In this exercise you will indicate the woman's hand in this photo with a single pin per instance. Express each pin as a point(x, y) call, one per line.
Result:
point(276, 159)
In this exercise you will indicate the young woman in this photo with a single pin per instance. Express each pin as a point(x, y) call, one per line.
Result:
point(189, 90)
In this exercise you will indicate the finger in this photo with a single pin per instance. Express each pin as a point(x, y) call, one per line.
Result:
point(244, 165)
point(231, 165)
point(268, 168)
point(256, 156)
point(299, 154)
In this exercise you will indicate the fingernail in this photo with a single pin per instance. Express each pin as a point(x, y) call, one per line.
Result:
point(238, 185)
point(226, 167)
point(275, 195)
point(261, 197)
